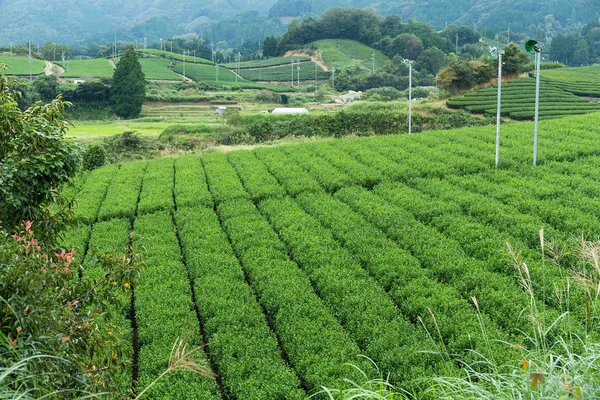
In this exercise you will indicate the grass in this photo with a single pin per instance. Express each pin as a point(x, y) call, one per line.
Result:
point(348, 54)
point(20, 65)
point(95, 68)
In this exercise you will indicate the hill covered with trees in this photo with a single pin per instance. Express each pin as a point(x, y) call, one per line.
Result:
point(70, 21)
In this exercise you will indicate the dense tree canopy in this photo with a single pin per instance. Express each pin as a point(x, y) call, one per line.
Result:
point(35, 160)
point(129, 86)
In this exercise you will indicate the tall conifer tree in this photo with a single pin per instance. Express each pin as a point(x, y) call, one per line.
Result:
point(129, 86)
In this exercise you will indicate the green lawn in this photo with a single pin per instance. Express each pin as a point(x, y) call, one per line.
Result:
point(346, 54)
point(95, 68)
point(20, 65)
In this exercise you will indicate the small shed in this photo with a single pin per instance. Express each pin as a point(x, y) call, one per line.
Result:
point(290, 111)
point(219, 110)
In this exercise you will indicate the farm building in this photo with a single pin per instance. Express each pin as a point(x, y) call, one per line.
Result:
point(290, 111)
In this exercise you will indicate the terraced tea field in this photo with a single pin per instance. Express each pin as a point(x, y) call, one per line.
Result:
point(308, 71)
point(582, 81)
point(20, 66)
point(290, 262)
point(348, 54)
point(267, 62)
point(518, 100)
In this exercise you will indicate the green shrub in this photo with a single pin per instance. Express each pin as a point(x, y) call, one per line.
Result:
point(94, 157)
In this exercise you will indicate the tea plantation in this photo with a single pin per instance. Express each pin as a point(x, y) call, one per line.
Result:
point(557, 99)
point(290, 262)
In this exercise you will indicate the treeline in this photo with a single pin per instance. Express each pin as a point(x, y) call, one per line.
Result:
point(388, 34)
point(414, 40)
point(577, 49)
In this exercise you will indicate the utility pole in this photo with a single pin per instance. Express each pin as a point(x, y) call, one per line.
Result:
point(145, 43)
point(316, 78)
point(508, 38)
point(292, 73)
point(373, 61)
point(536, 47)
point(217, 72)
point(30, 63)
point(54, 58)
point(184, 65)
point(115, 53)
point(298, 73)
point(333, 84)
point(456, 47)
point(11, 49)
point(409, 64)
point(496, 52)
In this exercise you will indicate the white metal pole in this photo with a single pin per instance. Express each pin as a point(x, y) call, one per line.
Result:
point(333, 85)
point(298, 73)
point(184, 65)
point(292, 73)
point(30, 63)
point(538, 56)
point(410, 98)
point(498, 111)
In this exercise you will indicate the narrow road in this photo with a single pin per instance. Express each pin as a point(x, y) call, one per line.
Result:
point(49, 69)
point(317, 60)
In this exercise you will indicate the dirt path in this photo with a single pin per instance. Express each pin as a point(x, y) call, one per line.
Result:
point(186, 78)
point(49, 69)
point(112, 63)
point(317, 60)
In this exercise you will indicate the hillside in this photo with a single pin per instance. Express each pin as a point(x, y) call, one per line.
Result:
point(291, 261)
point(70, 21)
point(497, 15)
point(348, 54)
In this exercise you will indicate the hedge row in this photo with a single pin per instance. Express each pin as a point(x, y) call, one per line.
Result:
point(362, 306)
point(122, 196)
point(242, 346)
point(413, 288)
point(329, 177)
point(256, 178)
point(223, 181)
point(157, 189)
point(110, 236)
point(500, 297)
point(291, 176)
point(316, 345)
point(164, 312)
point(190, 183)
point(92, 193)
point(359, 173)
point(483, 237)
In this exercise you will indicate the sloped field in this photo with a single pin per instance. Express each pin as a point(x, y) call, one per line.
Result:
point(290, 262)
